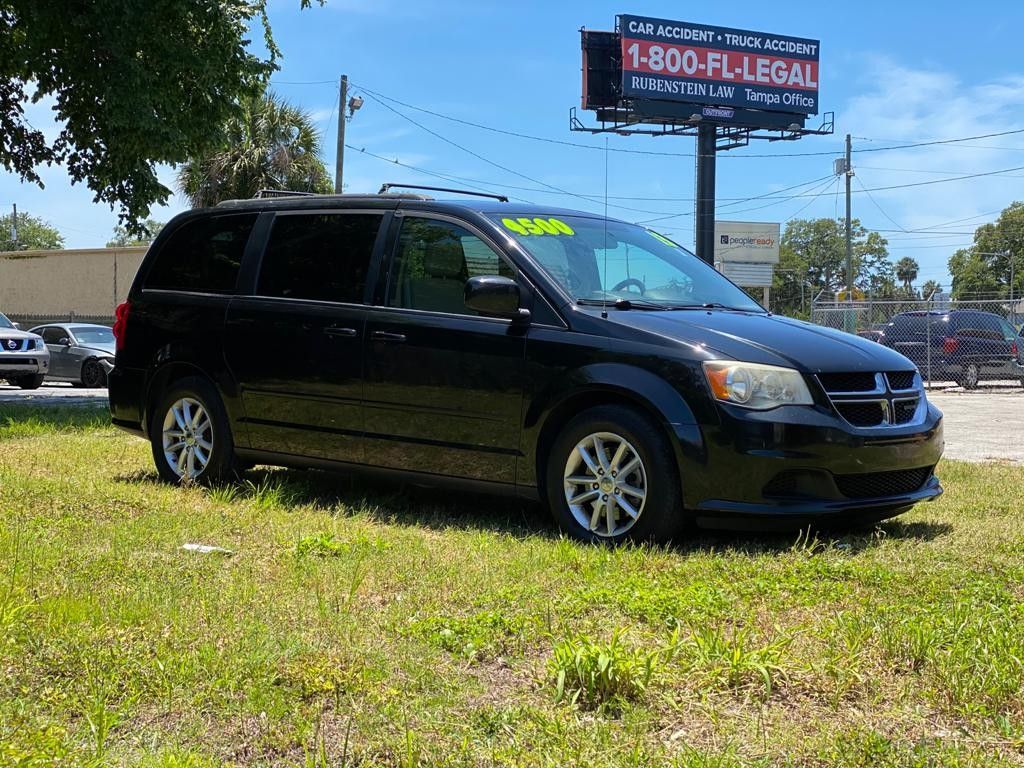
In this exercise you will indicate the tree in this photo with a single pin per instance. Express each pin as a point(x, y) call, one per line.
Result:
point(33, 232)
point(123, 238)
point(930, 288)
point(814, 250)
point(134, 83)
point(906, 273)
point(270, 145)
point(986, 267)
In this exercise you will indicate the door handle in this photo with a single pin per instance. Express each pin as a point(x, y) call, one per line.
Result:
point(397, 338)
point(336, 331)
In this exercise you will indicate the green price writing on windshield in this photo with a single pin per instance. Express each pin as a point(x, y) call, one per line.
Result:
point(662, 238)
point(538, 226)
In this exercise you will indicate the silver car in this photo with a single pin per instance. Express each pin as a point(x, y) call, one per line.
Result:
point(24, 359)
point(80, 353)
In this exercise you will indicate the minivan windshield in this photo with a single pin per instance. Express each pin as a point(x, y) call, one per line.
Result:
point(604, 261)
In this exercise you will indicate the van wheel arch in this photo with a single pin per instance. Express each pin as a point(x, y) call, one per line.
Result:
point(164, 377)
point(575, 404)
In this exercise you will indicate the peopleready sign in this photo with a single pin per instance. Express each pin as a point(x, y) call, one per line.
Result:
point(700, 64)
point(751, 242)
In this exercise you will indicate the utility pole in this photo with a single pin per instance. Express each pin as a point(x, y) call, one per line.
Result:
point(340, 159)
point(14, 228)
point(849, 230)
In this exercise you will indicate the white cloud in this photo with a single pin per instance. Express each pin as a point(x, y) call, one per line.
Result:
point(907, 105)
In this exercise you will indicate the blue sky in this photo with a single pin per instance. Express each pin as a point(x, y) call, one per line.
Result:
point(893, 72)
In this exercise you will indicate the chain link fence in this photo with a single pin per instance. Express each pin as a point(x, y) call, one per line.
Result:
point(970, 344)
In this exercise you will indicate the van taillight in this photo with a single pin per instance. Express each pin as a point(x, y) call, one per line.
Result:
point(120, 321)
point(1013, 349)
point(950, 345)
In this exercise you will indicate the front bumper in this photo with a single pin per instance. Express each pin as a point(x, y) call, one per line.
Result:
point(829, 470)
point(30, 363)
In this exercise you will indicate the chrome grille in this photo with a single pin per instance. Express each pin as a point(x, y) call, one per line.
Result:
point(867, 400)
point(13, 345)
point(901, 380)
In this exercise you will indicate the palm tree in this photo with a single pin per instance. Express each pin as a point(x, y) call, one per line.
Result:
point(929, 288)
point(906, 272)
point(269, 144)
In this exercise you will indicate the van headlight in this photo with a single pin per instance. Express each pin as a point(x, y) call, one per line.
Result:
point(756, 386)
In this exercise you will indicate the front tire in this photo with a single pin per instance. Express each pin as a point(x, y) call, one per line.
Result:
point(611, 476)
point(30, 382)
point(93, 376)
point(190, 435)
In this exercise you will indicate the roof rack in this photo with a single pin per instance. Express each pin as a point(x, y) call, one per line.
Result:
point(265, 193)
point(501, 198)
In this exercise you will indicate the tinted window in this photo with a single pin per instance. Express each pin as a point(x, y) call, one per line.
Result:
point(434, 260)
point(203, 255)
point(324, 257)
point(978, 325)
point(53, 334)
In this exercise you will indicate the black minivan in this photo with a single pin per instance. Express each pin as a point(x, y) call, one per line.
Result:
point(586, 362)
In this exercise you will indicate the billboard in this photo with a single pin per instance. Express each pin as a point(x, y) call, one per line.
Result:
point(750, 242)
point(720, 66)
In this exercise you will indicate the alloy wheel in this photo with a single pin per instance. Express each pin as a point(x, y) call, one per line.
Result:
point(971, 376)
point(92, 375)
point(605, 484)
point(187, 437)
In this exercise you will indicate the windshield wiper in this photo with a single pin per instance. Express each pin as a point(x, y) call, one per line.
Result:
point(623, 304)
point(714, 305)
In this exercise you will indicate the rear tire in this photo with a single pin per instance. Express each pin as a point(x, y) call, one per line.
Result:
point(190, 435)
point(971, 377)
point(629, 460)
point(29, 382)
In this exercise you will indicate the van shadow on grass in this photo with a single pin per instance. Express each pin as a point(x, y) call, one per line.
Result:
point(439, 509)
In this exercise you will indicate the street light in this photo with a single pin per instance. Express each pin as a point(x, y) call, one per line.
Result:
point(353, 105)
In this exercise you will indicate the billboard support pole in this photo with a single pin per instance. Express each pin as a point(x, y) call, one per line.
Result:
point(707, 140)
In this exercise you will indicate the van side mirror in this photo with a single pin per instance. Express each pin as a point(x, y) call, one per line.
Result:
point(495, 296)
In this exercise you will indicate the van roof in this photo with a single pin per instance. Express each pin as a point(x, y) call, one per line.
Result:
point(395, 200)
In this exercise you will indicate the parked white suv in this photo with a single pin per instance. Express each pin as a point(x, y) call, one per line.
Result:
point(24, 358)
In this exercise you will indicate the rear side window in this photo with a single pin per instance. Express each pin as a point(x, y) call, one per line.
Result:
point(322, 257)
point(203, 255)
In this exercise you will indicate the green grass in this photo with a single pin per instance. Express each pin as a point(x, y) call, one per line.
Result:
point(358, 624)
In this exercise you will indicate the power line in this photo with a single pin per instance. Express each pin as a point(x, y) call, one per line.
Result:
point(436, 175)
point(767, 195)
point(499, 166)
point(880, 209)
point(660, 215)
point(380, 97)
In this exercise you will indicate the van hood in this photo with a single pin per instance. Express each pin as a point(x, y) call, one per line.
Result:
point(768, 339)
